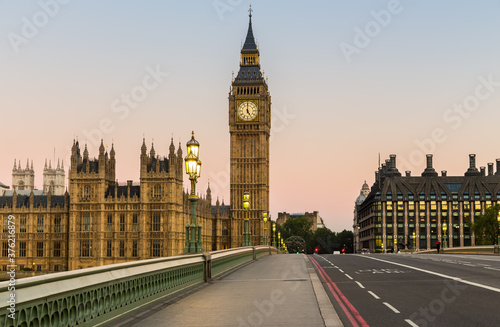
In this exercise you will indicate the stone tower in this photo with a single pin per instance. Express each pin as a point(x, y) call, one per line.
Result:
point(23, 179)
point(89, 179)
point(53, 178)
point(249, 127)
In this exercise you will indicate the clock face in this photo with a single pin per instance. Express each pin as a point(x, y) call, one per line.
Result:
point(247, 110)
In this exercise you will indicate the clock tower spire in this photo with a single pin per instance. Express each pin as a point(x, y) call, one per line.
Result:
point(249, 128)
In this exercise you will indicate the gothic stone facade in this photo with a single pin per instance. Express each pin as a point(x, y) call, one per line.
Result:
point(250, 128)
point(99, 222)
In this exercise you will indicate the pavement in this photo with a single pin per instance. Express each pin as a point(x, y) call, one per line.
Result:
point(277, 290)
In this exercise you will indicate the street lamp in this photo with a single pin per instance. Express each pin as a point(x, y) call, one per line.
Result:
point(445, 228)
point(279, 240)
point(274, 235)
point(193, 169)
point(246, 206)
point(413, 241)
point(264, 217)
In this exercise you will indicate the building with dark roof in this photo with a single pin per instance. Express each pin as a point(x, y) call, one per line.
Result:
point(411, 211)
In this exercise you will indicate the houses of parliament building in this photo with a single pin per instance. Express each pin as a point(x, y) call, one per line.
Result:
point(97, 221)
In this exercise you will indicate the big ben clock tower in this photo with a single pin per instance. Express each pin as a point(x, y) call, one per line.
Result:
point(249, 127)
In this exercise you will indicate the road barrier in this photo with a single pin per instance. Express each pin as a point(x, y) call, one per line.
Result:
point(96, 296)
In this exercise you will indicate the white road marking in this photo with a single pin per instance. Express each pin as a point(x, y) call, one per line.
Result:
point(341, 270)
point(349, 276)
point(391, 307)
point(374, 295)
point(411, 323)
point(492, 268)
point(440, 275)
point(360, 285)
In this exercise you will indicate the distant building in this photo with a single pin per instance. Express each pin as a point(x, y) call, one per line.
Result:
point(24, 179)
point(365, 190)
point(313, 217)
point(399, 208)
point(53, 178)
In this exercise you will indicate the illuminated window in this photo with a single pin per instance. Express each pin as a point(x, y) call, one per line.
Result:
point(85, 248)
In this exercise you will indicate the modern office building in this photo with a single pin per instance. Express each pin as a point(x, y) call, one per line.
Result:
point(417, 211)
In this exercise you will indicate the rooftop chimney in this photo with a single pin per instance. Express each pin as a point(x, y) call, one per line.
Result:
point(472, 171)
point(498, 167)
point(408, 173)
point(443, 173)
point(429, 171)
point(483, 171)
point(490, 168)
point(393, 161)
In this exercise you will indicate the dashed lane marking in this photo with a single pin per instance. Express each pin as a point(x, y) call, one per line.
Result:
point(374, 295)
point(411, 323)
point(391, 307)
point(349, 277)
point(360, 285)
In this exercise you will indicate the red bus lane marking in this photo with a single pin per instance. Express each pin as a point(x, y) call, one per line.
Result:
point(347, 313)
point(330, 283)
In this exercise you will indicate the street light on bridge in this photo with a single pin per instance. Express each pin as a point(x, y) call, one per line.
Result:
point(274, 235)
point(246, 206)
point(264, 217)
point(193, 169)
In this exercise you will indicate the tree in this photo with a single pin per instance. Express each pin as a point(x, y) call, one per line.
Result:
point(325, 240)
point(345, 238)
point(295, 244)
point(299, 226)
point(486, 227)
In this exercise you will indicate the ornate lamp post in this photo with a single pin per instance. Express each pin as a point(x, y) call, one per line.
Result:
point(193, 168)
point(246, 206)
point(274, 235)
point(445, 229)
point(414, 242)
point(279, 240)
point(264, 217)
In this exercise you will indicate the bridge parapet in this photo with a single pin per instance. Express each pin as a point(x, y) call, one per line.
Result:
point(94, 296)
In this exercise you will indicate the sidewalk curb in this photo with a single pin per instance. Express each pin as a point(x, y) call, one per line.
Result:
point(328, 313)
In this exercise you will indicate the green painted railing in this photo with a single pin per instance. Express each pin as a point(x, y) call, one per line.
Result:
point(95, 296)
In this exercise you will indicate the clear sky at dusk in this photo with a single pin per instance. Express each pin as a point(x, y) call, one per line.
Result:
point(348, 80)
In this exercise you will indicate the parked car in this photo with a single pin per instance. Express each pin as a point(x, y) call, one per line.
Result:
point(365, 251)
